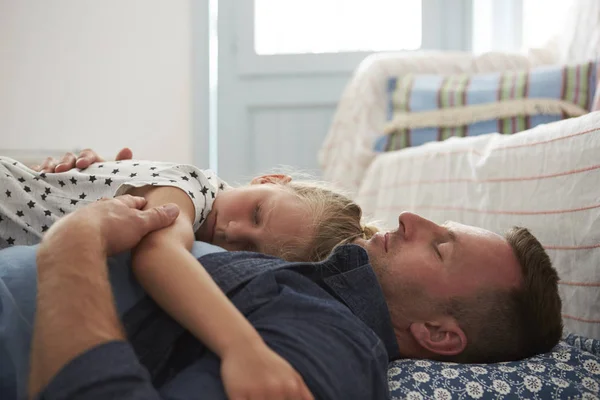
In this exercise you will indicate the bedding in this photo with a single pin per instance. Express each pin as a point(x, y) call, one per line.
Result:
point(570, 371)
point(546, 179)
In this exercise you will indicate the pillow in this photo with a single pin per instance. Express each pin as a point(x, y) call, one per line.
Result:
point(546, 179)
point(424, 108)
point(568, 372)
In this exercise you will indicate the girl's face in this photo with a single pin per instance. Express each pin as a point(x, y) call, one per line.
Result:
point(260, 217)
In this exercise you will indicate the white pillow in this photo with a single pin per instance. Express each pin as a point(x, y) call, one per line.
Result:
point(546, 179)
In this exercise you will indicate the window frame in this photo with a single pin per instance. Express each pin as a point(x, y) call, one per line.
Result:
point(448, 25)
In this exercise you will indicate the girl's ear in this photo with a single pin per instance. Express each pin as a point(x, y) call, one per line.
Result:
point(271, 178)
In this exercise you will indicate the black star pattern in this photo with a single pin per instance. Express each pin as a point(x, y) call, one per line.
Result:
point(191, 194)
point(15, 163)
point(108, 181)
point(8, 193)
point(201, 218)
point(152, 168)
point(27, 189)
point(172, 180)
point(82, 196)
point(135, 164)
point(74, 202)
point(47, 190)
point(212, 194)
point(61, 183)
point(73, 181)
point(21, 179)
point(204, 190)
point(44, 228)
point(36, 178)
point(185, 178)
point(43, 175)
point(20, 213)
point(221, 186)
point(61, 210)
point(154, 175)
point(43, 197)
point(153, 183)
point(100, 165)
point(31, 204)
point(193, 174)
point(115, 171)
point(25, 230)
point(92, 178)
point(10, 241)
point(8, 176)
point(209, 178)
point(133, 174)
point(26, 223)
point(48, 213)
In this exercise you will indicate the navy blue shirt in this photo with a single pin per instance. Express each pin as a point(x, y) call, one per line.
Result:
point(329, 320)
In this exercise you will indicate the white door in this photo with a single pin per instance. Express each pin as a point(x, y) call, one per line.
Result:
point(283, 64)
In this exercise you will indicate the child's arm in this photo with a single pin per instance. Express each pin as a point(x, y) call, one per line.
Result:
point(172, 276)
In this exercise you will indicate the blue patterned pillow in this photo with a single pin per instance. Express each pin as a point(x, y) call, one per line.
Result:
point(571, 371)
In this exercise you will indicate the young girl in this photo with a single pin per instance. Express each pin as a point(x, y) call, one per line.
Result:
point(273, 215)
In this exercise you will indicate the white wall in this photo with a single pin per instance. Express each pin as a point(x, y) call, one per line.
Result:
point(102, 74)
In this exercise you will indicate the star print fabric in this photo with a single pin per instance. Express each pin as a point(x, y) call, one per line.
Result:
point(30, 202)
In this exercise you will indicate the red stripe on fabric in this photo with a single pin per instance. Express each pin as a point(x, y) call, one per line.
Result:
point(584, 284)
point(526, 95)
point(588, 247)
point(492, 180)
point(546, 141)
point(499, 98)
point(495, 212)
point(513, 89)
point(464, 103)
point(580, 319)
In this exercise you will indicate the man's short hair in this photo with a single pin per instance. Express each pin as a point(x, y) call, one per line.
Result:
point(512, 324)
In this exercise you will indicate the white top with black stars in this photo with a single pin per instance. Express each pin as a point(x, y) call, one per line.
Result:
point(30, 202)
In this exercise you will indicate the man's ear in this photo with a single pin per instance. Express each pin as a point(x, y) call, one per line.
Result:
point(271, 178)
point(441, 336)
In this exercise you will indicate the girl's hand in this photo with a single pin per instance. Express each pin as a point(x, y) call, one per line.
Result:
point(85, 158)
point(256, 372)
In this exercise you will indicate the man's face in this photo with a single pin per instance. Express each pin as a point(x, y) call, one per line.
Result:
point(443, 261)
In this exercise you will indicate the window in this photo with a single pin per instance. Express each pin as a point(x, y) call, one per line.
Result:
point(542, 20)
point(334, 26)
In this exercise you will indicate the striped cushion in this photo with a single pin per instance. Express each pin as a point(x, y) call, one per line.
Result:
point(424, 108)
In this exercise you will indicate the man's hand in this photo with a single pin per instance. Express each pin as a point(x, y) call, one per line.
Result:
point(257, 372)
point(85, 158)
point(113, 225)
point(75, 309)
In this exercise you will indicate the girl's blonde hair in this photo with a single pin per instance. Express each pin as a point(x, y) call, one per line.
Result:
point(337, 220)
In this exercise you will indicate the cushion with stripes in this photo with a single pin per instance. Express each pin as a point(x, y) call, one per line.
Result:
point(424, 107)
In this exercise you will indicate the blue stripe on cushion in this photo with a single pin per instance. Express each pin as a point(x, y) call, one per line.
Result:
point(423, 135)
point(546, 83)
point(424, 94)
point(483, 89)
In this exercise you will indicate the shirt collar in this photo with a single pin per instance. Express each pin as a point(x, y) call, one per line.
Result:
point(350, 276)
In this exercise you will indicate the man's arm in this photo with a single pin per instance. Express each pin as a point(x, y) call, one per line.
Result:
point(76, 325)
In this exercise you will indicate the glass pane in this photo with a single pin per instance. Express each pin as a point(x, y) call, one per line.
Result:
point(543, 19)
point(332, 26)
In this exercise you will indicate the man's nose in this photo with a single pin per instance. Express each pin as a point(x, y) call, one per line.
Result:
point(413, 225)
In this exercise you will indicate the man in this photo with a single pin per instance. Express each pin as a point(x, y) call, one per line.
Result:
point(443, 292)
